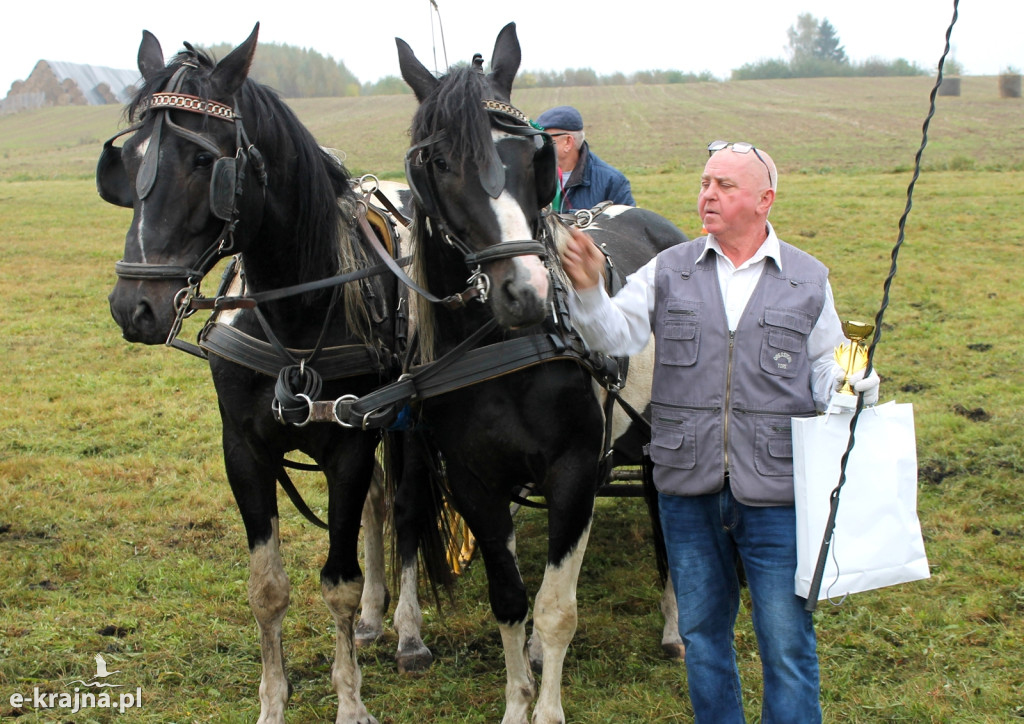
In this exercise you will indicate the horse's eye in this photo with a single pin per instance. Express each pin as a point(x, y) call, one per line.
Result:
point(439, 163)
point(204, 159)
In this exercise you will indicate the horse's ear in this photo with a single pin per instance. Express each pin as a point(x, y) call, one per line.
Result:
point(231, 72)
point(505, 60)
point(421, 80)
point(151, 57)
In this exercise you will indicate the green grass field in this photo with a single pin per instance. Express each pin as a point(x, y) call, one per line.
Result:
point(118, 534)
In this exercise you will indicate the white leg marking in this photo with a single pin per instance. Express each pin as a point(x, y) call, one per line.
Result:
point(671, 641)
point(342, 601)
point(412, 654)
point(554, 622)
point(520, 688)
point(374, 600)
point(519, 685)
point(268, 598)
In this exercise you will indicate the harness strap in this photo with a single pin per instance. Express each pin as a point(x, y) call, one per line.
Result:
point(383, 402)
point(136, 270)
point(296, 497)
point(583, 217)
point(472, 367)
point(392, 209)
point(333, 363)
point(506, 250)
point(249, 301)
point(454, 301)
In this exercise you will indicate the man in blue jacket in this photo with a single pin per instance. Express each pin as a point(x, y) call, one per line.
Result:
point(584, 180)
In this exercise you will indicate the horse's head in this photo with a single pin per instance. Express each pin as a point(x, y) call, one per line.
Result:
point(190, 175)
point(481, 173)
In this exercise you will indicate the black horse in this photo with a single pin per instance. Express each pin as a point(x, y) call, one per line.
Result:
point(217, 164)
point(481, 174)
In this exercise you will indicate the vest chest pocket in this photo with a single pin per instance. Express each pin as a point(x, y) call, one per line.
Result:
point(784, 348)
point(680, 336)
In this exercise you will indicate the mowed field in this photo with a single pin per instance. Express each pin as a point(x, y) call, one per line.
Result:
point(119, 536)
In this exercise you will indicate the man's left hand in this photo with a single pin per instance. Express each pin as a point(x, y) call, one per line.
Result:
point(868, 386)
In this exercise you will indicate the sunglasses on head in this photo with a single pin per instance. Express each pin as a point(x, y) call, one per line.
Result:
point(740, 147)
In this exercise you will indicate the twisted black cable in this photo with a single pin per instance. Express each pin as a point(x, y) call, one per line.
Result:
point(819, 569)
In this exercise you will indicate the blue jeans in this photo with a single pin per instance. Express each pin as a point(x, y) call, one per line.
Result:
point(704, 535)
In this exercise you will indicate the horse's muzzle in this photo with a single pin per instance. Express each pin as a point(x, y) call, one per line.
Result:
point(144, 311)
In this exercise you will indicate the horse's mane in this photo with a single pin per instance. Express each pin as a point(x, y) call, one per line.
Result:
point(454, 108)
point(323, 228)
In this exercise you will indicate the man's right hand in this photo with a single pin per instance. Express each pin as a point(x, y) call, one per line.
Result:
point(582, 260)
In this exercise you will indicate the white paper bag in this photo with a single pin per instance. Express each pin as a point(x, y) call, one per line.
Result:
point(877, 537)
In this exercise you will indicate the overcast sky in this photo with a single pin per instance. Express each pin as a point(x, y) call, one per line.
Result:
point(605, 36)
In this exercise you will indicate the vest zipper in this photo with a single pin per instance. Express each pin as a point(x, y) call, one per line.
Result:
point(728, 395)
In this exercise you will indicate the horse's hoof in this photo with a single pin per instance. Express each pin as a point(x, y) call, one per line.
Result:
point(414, 659)
point(366, 634)
point(537, 665)
point(674, 651)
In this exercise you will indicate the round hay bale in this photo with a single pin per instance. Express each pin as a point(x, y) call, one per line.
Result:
point(1009, 85)
point(950, 87)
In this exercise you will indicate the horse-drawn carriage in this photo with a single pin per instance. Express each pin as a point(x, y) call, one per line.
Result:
point(328, 346)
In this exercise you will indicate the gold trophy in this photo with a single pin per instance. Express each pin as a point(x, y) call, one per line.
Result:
point(852, 357)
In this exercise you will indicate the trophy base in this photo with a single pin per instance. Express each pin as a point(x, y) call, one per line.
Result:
point(841, 402)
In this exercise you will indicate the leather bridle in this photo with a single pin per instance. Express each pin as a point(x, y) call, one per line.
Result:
point(226, 183)
point(514, 122)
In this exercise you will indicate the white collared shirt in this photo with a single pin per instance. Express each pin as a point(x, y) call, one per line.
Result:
point(622, 325)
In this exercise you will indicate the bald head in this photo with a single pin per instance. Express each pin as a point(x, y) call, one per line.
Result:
point(737, 193)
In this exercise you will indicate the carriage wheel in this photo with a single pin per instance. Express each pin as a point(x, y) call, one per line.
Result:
point(462, 546)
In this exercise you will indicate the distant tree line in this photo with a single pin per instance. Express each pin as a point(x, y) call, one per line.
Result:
point(814, 52)
point(563, 79)
point(297, 72)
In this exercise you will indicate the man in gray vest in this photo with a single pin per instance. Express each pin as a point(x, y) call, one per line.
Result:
point(745, 330)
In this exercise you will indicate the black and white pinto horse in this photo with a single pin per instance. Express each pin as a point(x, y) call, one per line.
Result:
point(481, 175)
point(217, 165)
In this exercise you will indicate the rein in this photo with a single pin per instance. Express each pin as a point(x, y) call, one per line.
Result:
point(467, 364)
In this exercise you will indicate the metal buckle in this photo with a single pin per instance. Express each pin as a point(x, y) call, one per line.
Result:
point(362, 181)
point(482, 282)
point(183, 310)
point(584, 218)
point(337, 417)
point(309, 409)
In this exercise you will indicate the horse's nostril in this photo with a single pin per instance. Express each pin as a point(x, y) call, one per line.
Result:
point(142, 314)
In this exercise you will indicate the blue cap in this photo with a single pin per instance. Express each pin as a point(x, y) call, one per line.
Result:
point(565, 117)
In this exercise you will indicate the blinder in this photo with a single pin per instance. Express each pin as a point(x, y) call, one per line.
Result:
point(223, 187)
point(545, 169)
point(226, 177)
point(115, 188)
point(418, 175)
point(416, 160)
point(111, 178)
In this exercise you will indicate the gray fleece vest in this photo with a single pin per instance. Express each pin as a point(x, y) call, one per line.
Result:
point(723, 402)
